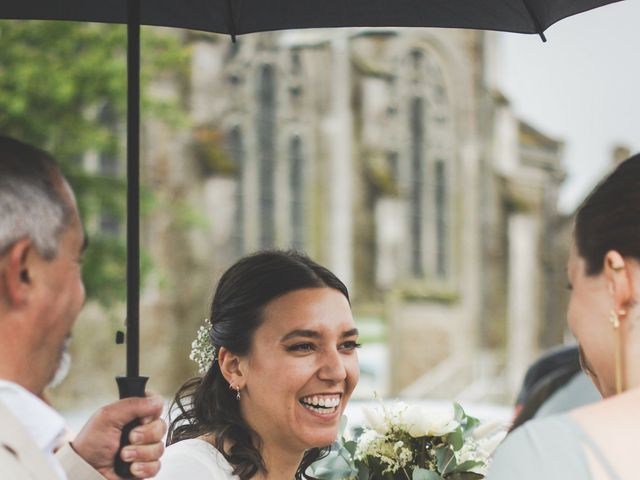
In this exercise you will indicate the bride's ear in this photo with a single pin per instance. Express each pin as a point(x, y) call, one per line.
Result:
point(232, 367)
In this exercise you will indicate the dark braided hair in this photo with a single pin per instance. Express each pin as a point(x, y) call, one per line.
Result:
point(205, 405)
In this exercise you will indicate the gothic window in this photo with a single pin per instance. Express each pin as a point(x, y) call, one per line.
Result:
point(393, 164)
point(430, 155)
point(266, 153)
point(296, 189)
point(417, 58)
point(237, 152)
point(416, 211)
point(296, 62)
point(441, 217)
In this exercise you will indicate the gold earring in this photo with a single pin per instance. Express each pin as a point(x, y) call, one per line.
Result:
point(618, 360)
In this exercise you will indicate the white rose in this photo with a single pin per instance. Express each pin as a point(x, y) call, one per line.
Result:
point(395, 411)
point(375, 419)
point(422, 421)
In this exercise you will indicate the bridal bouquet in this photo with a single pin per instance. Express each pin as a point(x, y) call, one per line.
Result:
point(406, 442)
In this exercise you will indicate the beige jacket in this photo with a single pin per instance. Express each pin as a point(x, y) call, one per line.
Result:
point(20, 458)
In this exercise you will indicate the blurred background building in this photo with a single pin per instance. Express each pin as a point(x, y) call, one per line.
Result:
point(387, 155)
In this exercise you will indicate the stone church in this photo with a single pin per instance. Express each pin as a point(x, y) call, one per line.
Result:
point(389, 156)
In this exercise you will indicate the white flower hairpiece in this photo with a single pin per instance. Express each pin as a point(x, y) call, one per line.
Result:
point(202, 351)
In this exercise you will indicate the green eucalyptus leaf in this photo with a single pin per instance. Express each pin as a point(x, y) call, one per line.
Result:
point(445, 459)
point(468, 465)
point(470, 425)
point(422, 474)
point(363, 471)
point(456, 439)
point(464, 476)
point(350, 446)
point(458, 412)
point(338, 465)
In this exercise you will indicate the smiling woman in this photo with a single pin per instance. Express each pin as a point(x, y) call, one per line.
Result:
point(281, 365)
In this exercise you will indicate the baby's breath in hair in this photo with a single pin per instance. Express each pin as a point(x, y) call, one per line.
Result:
point(202, 352)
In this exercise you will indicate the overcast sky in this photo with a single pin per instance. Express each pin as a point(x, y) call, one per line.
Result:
point(582, 86)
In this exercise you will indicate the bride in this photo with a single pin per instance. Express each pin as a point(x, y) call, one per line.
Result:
point(280, 363)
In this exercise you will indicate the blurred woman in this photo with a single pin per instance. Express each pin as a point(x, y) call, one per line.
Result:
point(281, 363)
point(596, 441)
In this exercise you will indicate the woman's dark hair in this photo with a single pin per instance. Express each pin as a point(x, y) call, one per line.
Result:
point(609, 219)
point(206, 405)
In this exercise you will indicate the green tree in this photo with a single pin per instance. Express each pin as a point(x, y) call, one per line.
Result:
point(63, 88)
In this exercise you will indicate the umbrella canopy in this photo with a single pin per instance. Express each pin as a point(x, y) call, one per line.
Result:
point(236, 17)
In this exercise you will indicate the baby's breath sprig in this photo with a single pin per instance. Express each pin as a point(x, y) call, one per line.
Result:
point(202, 352)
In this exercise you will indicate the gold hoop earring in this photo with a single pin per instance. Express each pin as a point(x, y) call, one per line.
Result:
point(618, 358)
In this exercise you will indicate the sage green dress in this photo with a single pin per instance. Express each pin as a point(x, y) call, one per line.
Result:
point(552, 448)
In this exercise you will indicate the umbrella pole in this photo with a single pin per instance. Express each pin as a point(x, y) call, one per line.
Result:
point(133, 385)
point(133, 188)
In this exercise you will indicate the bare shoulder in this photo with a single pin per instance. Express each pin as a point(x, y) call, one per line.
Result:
point(620, 408)
point(611, 426)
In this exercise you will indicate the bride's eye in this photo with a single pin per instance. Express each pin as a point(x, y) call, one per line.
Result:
point(349, 346)
point(301, 347)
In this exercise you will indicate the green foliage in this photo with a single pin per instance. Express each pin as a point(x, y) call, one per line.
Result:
point(55, 80)
point(49, 74)
point(338, 465)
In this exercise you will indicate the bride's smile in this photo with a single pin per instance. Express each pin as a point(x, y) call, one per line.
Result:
point(301, 369)
point(322, 404)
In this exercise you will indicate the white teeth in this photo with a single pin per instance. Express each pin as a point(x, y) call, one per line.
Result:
point(321, 402)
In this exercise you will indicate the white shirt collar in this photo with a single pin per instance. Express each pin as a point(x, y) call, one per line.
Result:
point(42, 423)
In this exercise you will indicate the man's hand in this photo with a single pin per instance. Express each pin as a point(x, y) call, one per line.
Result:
point(99, 440)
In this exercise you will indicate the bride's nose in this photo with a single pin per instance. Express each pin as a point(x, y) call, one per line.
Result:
point(332, 366)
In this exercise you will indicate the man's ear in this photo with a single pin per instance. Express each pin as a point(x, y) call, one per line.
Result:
point(232, 367)
point(15, 272)
point(620, 280)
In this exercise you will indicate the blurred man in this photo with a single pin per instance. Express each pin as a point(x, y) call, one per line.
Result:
point(41, 294)
point(554, 383)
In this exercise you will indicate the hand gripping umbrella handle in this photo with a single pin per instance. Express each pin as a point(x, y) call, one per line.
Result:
point(128, 387)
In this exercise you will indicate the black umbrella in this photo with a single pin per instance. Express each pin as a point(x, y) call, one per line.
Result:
point(236, 17)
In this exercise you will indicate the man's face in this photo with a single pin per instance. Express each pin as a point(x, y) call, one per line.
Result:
point(59, 292)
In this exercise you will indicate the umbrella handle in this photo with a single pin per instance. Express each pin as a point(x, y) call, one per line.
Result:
point(128, 387)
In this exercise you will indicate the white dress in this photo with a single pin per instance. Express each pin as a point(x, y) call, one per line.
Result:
point(194, 459)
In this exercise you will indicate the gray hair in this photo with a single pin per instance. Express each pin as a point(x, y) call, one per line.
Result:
point(31, 203)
